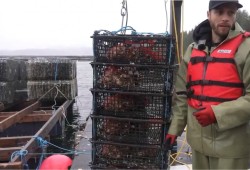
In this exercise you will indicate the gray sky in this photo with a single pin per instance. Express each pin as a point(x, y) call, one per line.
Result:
point(26, 24)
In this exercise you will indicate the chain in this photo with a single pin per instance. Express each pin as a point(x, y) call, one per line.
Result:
point(124, 13)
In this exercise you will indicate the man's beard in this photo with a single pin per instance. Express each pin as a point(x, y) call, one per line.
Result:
point(220, 34)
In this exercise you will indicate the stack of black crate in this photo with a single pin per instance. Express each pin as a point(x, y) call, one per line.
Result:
point(132, 92)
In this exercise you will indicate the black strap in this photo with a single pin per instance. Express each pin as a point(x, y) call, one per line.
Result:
point(212, 99)
point(212, 82)
point(200, 59)
point(181, 93)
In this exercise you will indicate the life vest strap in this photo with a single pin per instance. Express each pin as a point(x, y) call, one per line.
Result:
point(211, 99)
point(181, 93)
point(200, 59)
point(211, 82)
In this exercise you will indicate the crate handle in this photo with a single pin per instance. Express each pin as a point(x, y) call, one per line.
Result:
point(124, 29)
point(133, 32)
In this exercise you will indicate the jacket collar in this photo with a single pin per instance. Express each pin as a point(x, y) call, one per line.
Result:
point(204, 28)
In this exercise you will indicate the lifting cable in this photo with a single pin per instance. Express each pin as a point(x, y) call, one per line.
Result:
point(124, 14)
point(165, 4)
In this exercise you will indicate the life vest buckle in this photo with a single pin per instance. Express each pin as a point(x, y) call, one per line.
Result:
point(206, 82)
point(209, 59)
point(190, 92)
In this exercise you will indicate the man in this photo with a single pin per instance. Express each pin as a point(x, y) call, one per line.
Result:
point(213, 92)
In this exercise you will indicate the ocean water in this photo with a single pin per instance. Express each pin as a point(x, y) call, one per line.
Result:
point(84, 82)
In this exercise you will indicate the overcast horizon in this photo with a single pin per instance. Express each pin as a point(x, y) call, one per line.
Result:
point(74, 51)
point(69, 24)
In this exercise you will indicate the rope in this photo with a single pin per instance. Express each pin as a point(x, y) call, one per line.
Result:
point(78, 99)
point(58, 90)
point(53, 106)
point(182, 30)
point(165, 4)
point(46, 93)
point(61, 93)
point(124, 29)
point(55, 103)
point(21, 154)
point(63, 112)
point(180, 151)
point(41, 143)
point(176, 35)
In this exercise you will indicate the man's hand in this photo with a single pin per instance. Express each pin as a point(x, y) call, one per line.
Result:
point(205, 116)
point(170, 139)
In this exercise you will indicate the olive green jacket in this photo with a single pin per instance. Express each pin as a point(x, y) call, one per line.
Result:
point(229, 137)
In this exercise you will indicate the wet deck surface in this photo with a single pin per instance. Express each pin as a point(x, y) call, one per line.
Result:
point(81, 161)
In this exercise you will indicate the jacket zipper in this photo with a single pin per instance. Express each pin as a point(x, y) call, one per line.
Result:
point(204, 74)
point(202, 89)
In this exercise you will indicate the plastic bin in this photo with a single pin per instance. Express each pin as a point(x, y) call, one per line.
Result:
point(123, 156)
point(131, 104)
point(140, 49)
point(133, 77)
point(130, 131)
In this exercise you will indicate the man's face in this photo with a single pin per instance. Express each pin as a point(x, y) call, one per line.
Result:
point(222, 19)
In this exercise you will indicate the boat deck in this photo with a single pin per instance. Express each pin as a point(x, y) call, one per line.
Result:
point(15, 137)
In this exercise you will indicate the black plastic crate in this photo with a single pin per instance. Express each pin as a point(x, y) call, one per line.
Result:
point(42, 68)
point(131, 104)
point(141, 49)
point(8, 70)
point(121, 156)
point(129, 131)
point(133, 77)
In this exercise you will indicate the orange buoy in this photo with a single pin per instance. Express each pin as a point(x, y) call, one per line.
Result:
point(56, 161)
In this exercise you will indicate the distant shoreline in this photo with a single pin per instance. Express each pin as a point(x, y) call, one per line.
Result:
point(27, 57)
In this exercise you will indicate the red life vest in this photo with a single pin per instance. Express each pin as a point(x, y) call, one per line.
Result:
point(212, 79)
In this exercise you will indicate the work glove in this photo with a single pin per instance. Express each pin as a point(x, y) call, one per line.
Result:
point(170, 139)
point(205, 116)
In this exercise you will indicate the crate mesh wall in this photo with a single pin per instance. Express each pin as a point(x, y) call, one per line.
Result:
point(51, 69)
point(21, 93)
point(132, 95)
point(22, 70)
point(8, 70)
point(141, 49)
point(131, 105)
point(130, 131)
point(141, 78)
point(7, 92)
point(116, 156)
point(37, 89)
